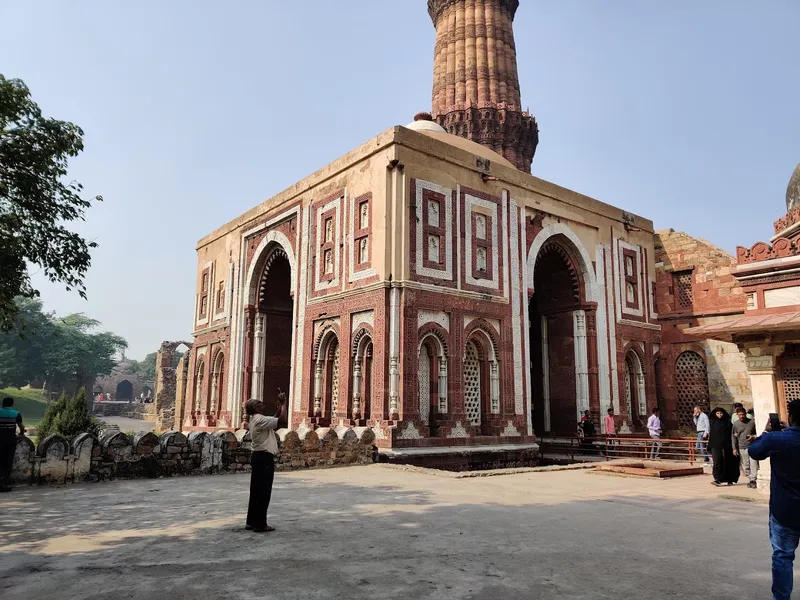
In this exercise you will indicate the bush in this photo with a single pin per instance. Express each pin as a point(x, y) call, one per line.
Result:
point(69, 417)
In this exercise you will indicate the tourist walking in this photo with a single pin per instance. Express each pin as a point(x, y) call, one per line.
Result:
point(743, 432)
point(726, 465)
point(703, 426)
point(654, 428)
point(262, 461)
point(783, 450)
point(10, 420)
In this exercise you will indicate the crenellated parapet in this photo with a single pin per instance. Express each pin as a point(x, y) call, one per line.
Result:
point(117, 455)
point(760, 251)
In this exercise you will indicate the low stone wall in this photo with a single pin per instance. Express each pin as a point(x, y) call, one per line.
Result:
point(140, 411)
point(115, 455)
point(109, 408)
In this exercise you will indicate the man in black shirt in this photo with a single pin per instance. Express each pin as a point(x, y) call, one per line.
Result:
point(10, 419)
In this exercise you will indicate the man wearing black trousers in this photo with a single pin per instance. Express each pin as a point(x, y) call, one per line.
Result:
point(262, 461)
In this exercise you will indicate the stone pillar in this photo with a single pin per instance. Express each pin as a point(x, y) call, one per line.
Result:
point(761, 369)
point(257, 386)
point(581, 362)
point(545, 374)
point(357, 387)
point(394, 352)
point(318, 367)
point(494, 387)
point(442, 384)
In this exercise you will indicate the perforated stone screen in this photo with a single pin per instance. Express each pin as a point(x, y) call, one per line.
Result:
point(683, 289)
point(472, 384)
point(691, 384)
point(791, 383)
point(424, 375)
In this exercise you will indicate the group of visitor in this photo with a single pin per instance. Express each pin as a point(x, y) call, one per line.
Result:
point(728, 440)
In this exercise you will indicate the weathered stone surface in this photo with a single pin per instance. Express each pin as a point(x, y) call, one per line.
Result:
point(117, 455)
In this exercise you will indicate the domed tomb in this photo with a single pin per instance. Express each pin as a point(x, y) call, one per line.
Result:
point(793, 191)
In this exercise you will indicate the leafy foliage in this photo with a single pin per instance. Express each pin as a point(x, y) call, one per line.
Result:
point(36, 201)
point(69, 417)
point(60, 353)
point(146, 369)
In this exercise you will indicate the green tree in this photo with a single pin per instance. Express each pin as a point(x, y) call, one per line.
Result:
point(63, 353)
point(37, 201)
point(69, 417)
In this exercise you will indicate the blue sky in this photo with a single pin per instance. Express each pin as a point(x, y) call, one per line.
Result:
point(194, 111)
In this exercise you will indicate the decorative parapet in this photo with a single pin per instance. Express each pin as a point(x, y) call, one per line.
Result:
point(116, 455)
point(760, 251)
point(785, 222)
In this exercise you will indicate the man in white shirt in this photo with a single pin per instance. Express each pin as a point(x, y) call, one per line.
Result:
point(654, 427)
point(262, 461)
point(703, 427)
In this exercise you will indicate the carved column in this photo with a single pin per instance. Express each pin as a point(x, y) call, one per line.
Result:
point(357, 387)
point(257, 386)
point(442, 385)
point(593, 369)
point(318, 369)
point(247, 375)
point(494, 387)
point(581, 362)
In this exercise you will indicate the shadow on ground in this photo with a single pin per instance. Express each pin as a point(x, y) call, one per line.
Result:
point(349, 534)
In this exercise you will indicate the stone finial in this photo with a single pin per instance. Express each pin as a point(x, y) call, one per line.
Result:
point(423, 116)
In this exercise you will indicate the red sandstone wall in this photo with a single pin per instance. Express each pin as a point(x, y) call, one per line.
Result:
point(714, 293)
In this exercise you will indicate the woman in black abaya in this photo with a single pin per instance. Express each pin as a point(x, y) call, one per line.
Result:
point(726, 465)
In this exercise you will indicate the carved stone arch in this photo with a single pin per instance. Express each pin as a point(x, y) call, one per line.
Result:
point(327, 330)
point(483, 327)
point(364, 332)
point(555, 246)
point(635, 348)
point(576, 248)
point(438, 332)
point(261, 254)
point(273, 253)
point(218, 349)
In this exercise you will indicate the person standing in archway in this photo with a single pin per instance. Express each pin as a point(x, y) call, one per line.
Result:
point(262, 461)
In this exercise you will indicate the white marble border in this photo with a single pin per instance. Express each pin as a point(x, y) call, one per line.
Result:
point(447, 273)
point(335, 204)
point(488, 209)
point(516, 310)
point(354, 275)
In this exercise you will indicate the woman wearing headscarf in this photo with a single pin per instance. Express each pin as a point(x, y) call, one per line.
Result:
point(726, 465)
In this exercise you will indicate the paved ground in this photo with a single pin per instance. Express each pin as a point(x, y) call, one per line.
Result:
point(381, 532)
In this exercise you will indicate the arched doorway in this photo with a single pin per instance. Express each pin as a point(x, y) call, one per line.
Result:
point(361, 402)
point(273, 325)
point(691, 385)
point(326, 380)
point(557, 339)
point(217, 384)
point(634, 389)
point(124, 391)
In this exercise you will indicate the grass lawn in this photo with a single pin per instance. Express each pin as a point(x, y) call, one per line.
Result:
point(30, 402)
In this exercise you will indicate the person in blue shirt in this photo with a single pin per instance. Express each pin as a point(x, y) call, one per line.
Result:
point(783, 450)
point(10, 419)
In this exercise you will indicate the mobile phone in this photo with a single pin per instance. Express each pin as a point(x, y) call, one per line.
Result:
point(775, 421)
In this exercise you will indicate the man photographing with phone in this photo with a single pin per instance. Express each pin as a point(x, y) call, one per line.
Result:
point(782, 446)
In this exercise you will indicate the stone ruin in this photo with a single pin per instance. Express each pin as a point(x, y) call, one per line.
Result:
point(170, 389)
point(116, 455)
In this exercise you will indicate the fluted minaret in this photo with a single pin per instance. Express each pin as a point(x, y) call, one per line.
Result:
point(475, 80)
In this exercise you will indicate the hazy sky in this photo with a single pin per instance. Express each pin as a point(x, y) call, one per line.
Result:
point(685, 112)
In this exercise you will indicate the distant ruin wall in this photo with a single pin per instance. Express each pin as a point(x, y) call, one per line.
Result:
point(116, 455)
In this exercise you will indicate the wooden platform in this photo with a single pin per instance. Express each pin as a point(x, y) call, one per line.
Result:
point(647, 468)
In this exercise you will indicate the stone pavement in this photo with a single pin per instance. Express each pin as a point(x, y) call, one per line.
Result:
point(386, 532)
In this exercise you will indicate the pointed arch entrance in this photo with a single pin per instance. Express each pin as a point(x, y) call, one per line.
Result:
point(561, 311)
point(269, 318)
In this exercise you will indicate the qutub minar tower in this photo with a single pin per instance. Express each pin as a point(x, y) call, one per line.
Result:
point(475, 81)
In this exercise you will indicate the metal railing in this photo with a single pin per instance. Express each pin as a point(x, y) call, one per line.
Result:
point(612, 448)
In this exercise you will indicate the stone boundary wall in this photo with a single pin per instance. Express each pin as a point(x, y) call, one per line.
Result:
point(115, 455)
